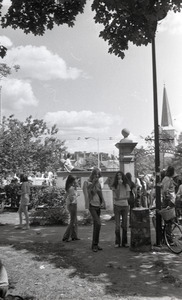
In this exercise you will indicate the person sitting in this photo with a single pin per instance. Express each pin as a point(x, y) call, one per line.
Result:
point(68, 165)
point(3, 280)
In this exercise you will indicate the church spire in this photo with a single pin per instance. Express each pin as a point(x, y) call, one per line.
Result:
point(166, 120)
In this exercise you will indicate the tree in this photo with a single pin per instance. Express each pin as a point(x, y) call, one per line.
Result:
point(133, 21)
point(28, 145)
point(124, 21)
point(91, 161)
point(35, 16)
point(144, 161)
point(177, 160)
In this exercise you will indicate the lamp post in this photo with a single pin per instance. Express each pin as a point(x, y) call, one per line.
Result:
point(97, 140)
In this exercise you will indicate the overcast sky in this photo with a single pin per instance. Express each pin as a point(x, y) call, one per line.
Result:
point(67, 77)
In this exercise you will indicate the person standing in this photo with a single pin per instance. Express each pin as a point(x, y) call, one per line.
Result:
point(50, 177)
point(121, 194)
point(71, 202)
point(168, 189)
point(24, 200)
point(168, 195)
point(96, 202)
point(131, 200)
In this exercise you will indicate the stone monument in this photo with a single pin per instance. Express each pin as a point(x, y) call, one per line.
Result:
point(126, 156)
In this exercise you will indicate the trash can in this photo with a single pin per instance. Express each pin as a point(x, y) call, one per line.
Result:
point(140, 230)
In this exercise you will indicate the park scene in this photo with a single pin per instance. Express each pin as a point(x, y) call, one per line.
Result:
point(90, 150)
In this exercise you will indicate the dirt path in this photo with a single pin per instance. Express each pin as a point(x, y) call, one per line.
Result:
point(41, 267)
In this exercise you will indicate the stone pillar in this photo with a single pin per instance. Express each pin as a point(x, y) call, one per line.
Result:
point(126, 158)
point(140, 220)
point(140, 230)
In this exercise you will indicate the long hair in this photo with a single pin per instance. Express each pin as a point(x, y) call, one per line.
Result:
point(23, 178)
point(69, 182)
point(129, 178)
point(115, 182)
point(170, 171)
point(94, 172)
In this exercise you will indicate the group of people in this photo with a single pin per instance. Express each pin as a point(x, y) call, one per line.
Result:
point(123, 189)
point(126, 195)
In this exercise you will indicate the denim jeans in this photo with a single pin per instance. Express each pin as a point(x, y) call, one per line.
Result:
point(95, 213)
point(121, 211)
point(71, 230)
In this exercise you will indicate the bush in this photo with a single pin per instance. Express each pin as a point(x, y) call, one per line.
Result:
point(48, 206)
point(49, 216)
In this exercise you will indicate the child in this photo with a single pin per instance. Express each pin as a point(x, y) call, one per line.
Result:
point(3, 281)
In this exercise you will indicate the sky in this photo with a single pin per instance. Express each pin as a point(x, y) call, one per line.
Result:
point(68, 78)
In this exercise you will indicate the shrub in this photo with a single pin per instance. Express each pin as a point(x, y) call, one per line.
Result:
point(47, 196)
point(49, 216)
point(48, 205)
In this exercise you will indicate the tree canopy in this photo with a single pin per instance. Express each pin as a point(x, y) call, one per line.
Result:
point(133, 21)
point(124, 21)
point(35, 16)
point(29, 145)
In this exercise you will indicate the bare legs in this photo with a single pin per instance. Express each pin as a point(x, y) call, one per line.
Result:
point(24, 209)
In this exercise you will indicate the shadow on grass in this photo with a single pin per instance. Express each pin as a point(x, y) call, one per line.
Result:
point(124, 273)
point(120, 272)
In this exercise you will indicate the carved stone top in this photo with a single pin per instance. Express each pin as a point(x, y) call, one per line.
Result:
point(125, 132)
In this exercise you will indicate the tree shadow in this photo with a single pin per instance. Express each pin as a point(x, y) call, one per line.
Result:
point(120, 272)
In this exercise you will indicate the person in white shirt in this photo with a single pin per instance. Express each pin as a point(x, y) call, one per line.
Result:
point(50, 178)
point(68, 165)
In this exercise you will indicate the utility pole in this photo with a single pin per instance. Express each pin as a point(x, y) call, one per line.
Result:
point(157, 151)
point(0, 104)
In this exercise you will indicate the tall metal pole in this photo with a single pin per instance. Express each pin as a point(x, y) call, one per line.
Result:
point(0, 104)
point(157, 151)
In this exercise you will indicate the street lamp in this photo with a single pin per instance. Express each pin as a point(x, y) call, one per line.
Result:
point(97, 140)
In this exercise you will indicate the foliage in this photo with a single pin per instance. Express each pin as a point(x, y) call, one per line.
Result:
point(166, 142)
point(47, 196)
point(91, 161)
point(133, 21)
point(4, 70)
point(177, 160)
point(12, 191)
point(124, 21)
point(144, 161)
point(49, 216)
point(3, 51)
point(35, 16)
point(48, 206)
point(29, 145)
